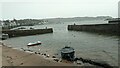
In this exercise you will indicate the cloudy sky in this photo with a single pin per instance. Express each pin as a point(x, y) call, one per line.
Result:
point(38, 9)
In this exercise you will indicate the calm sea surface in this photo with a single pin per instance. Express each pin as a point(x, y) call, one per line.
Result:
point(87, 45)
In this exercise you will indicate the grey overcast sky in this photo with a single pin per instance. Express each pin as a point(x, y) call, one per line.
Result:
point(38, 9)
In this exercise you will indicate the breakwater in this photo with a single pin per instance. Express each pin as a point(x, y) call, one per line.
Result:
point(114, 21)
point(112, 28)
point(17, 33)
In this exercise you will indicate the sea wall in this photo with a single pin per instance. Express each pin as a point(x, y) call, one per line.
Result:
point(114, 21)
point(16, 33)
point(99, 28)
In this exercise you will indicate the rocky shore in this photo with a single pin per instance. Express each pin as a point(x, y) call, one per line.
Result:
point(14, 57)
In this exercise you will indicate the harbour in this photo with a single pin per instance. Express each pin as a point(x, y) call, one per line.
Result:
point(60, 33)
point(87, 45)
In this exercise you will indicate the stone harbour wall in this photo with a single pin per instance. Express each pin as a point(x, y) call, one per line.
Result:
point(16, 33)
point(112, 28)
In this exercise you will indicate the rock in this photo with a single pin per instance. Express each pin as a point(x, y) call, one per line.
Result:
point(60, 60)
point(35, 52)
point(29, 50)
point(79, 62)
point(56, 60)
point(21, 64)
point(56, 54)
point(7, 56)
point(53, 56)
point(44, 54)
point(48, 56)
point(22, 48)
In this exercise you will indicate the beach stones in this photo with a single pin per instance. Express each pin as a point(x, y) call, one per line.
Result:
point(56, 60)
point(44, 54)
point(29, 50)
point(21, 63)
point(53, 56)
point(11, 61)
point(79, 62)
point(39, 53)
point(36, 53)
point(48, 56)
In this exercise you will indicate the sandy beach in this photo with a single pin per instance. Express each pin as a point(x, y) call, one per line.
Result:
point(13, 57)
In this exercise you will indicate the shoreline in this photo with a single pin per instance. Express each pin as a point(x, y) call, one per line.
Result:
point(19, 57)
point(14, 57)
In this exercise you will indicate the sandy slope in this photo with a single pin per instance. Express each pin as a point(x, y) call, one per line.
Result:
point(13, 57)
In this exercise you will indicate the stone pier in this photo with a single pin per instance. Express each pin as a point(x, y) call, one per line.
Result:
point(16, 33)
point(111, 28)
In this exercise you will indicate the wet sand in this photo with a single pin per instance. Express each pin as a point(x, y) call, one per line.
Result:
point(13, 57)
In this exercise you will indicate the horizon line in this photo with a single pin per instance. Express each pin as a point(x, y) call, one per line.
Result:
point(59, 17)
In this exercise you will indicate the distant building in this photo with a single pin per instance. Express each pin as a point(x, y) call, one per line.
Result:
point(8, 23)
point(1, 23)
